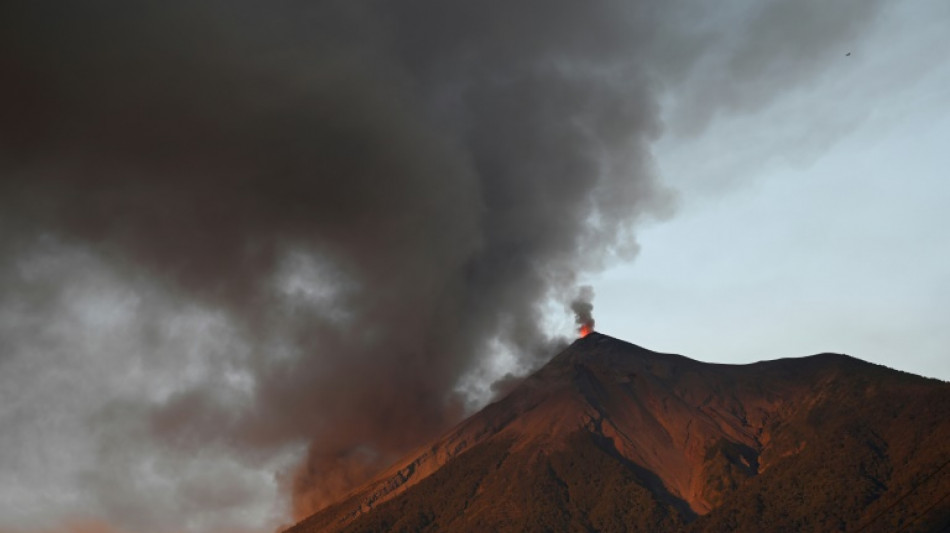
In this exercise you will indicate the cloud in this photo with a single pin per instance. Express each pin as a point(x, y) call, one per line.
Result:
point(238, 230)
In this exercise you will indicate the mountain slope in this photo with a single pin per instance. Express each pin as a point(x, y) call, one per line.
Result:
point(609, 436)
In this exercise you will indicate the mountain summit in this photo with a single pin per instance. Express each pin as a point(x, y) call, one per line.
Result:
point(609, 436)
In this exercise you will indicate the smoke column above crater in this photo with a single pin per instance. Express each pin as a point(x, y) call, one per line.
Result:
point(583, 308)
point(353, 202)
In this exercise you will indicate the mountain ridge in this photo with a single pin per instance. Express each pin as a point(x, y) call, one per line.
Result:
point(686, 437)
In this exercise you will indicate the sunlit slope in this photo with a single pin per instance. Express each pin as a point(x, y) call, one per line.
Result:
point(609, 436)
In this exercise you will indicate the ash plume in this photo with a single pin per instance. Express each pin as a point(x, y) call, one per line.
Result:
point(253, 227)
point(583, 308)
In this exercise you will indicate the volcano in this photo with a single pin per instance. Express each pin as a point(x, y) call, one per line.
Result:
point(609, 436)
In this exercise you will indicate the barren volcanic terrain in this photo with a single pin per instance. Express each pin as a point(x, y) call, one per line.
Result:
point(609, 436)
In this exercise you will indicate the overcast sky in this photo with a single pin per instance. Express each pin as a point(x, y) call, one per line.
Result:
point(252, 253)
point(818, 223)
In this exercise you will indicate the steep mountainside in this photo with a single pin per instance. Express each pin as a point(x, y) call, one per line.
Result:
point(609, 436)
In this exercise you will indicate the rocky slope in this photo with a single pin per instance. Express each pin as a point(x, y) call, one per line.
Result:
point(609, 436)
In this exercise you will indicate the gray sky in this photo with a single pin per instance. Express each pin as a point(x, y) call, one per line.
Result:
point(817, 223)
point(252, 254)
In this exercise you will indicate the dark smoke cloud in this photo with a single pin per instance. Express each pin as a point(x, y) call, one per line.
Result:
point(583, 308)
point(353, 200)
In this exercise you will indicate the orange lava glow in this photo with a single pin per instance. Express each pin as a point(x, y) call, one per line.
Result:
point(585, 330)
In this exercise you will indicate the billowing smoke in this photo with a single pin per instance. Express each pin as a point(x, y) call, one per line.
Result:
point(583, 308)
point(237, 228)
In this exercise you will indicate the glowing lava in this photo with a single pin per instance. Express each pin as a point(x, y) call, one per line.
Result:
point(585, 330)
